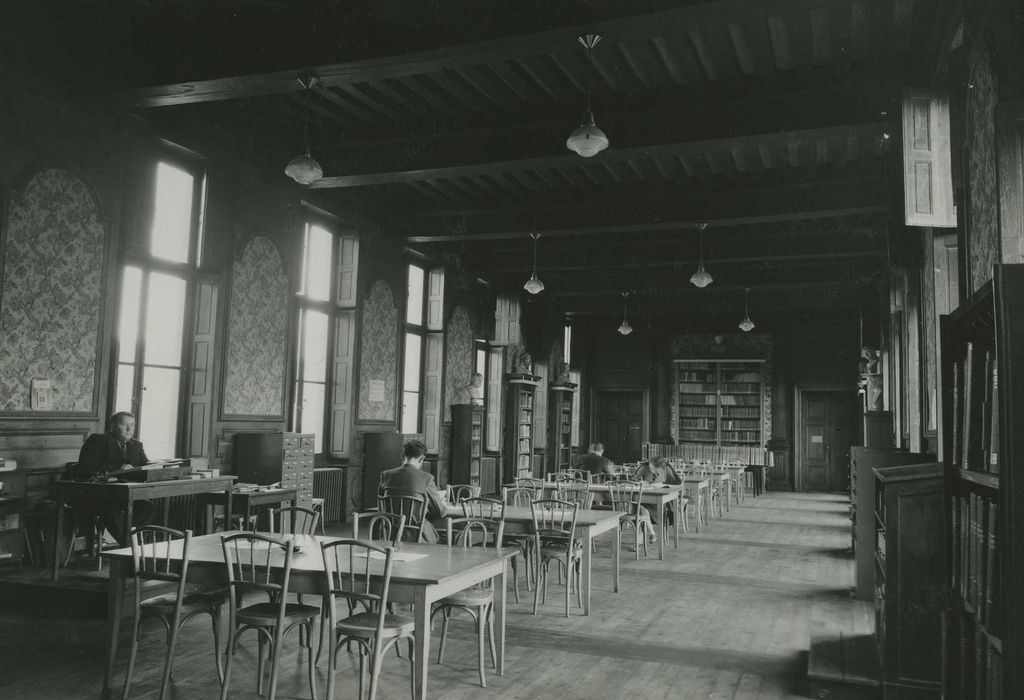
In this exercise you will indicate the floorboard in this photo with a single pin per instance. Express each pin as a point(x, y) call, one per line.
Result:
point(727, 615)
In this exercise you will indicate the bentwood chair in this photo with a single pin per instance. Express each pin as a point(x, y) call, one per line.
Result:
point(521, 497)
point(152, 549)
point(575, 491)
point(413, 507)
point(626, 496)
point(305, 520)
point(385, 527)
point(477, 600)
point(460, 492)
point(493, 511)
point(554, 528)
point(528, 482)
point(250, 559)
point(359, 573)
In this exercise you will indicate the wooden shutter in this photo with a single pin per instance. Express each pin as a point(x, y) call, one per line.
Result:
point(348, 268)
point(1010, 156)
point(927, 164)
point(574, 377)
point(341, 388)
point(540, 407)
point(506, 320)
point(494, 386)
point(435, 300)
point(201, 390)
point(433, 366)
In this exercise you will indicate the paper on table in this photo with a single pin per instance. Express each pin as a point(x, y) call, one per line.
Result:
point(397, 556)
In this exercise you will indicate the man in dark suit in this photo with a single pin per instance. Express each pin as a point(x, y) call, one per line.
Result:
point(410, 480)
point(594, 461)
point(112, 451)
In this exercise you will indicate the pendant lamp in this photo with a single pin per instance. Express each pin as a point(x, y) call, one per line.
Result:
point(701, 278)
point(587, 140)
point(303, 168)
point(624, 327)
point(534, 285)
point(746, 325)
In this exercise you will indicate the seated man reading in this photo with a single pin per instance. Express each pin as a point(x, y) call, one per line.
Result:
point(113, 451)
point(594, 461)
point(410, 480)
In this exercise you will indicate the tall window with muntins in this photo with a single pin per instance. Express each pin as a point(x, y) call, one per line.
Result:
point(155, 286)
point(567, 344)
point(423, 360)
point(413, 359)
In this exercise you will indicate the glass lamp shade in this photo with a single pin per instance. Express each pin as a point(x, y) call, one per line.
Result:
point(534, 285)
point(303, 169)
point(746, 325)
point(625, 328)
point(587, 139)
point(701, 278)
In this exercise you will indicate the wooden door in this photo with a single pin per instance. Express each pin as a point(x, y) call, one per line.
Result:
point(618, 423)
point(824, 435)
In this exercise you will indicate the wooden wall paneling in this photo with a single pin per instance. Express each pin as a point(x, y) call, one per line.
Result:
point(342, 383)
point(433, 373)
point(913, 386)
point(35, 446)
point(927, 165)
point(200, 403)
point(540, 408)
point(348, 271)
point(1010, 153)
point(495, 386)
point(435, 299)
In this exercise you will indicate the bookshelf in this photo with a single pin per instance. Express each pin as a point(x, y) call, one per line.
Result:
point(467, 444)
point(518, 454)
point(560, 407)
point(982, 344)
point(719, 402)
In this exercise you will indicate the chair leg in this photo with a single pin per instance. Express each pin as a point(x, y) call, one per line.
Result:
point(490, 635)
point(568, 581)
point(172, 642)
point(412, 666)
point(515, 577)
point(275, 658)
point(536, 589)
point(579, 584)
point(480, 620)
point(445, 615)
point(232, 641)
point(362, 670)
point(136, 624)
point(375, 664)
point(311, 663)
point(215, 620)
point(259, 662)
point(332, 666)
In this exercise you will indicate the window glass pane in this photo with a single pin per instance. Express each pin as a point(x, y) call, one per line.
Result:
point(125, 386)
point(312, 418)
point(128, 328)
point(414, 301)
point(315, 346)
point(159, 411)
point(165, 319)
point(172, 213)
point(410, 411)
point(318, 264)
point(481, 368)
point(567, 345)
point(411, 381)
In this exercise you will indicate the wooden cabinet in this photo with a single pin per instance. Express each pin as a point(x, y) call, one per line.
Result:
point(467, 446)
point(518, 454)
point(267, 458)
point(909, 578)
point(982, 349)
point(719, 402)
point(560, 406)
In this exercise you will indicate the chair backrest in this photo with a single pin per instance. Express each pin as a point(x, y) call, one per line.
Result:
point(575, 491)
point(413, 507)
point(579, 474)
point(359, 573)
point(251, 560)
point(554, 519)
point(475, 532)
point(527, 482)
point(600, 478)
point(518, 496)
point(460, 492)
point(306, 520)
point(386, 527)
point(157, 557)
point(625, 495)
point(483, 508)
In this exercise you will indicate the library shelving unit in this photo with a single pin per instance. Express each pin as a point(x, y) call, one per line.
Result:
point(518, 456)
point(467, 444)
point(560, 416)
point(719, 402)
point(982, 346)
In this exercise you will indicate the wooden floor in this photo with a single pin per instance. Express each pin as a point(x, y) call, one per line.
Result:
point(727, 615)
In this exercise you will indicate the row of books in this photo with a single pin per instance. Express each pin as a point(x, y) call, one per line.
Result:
point(526, 416)
point(689, 376)
point(687, 411)
point(698, 400)
point(740, 412)
point(702, 423)
point(524, 445)
point(741, 435)
point(976, 410)
point(696, 435)
point(975, 557)
point(524, 463)
point(741, 400)
point(976, 672)
point(741, 387)
point(524, 430)
point(525, 399)
point(695, 388)
point(740, 424)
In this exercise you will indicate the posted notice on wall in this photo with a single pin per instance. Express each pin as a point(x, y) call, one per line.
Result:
point(376, 391)
point(39, 399)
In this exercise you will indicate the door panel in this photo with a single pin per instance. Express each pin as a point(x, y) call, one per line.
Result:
point(618, 420)
point(813, 438)
point(824, 435)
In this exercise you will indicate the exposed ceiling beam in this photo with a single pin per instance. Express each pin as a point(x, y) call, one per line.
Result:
point(691, 17)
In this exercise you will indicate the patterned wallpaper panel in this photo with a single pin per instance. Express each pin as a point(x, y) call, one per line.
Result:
point(983, 214)
point(257, 332)
point(458, 353)
point(378, 353)
point(50, 301)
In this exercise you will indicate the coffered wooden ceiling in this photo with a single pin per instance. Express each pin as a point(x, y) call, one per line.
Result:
point(774, 121)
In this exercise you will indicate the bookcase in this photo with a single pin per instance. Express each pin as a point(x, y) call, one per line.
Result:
point(982, 348)
point(907, 549)
point(719, 402)
point(518, 455)
point(467, 445)
point(560, 407)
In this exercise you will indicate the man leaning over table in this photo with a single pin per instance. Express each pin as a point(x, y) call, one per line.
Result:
point(113, 450)
point(410, 480)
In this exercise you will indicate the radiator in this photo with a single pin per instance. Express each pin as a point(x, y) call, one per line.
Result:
point(329, 484)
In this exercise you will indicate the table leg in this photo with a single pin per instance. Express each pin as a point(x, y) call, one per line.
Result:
point(421, 654)
point(585, 574)
point(616, 556)
point(675, 520)
point(661, 535)
point(229, 489)
point(698, 503)
point(58, 528)
point(499, 617)
point(114, 601)
point(129, 509)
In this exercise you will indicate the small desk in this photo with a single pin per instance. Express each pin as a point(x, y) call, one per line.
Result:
point(244, 501)
point(738, 480)
point(698, 488)
point(123, 495)
point(442, 572)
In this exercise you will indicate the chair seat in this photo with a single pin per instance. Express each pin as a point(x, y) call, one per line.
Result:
point(471, 597)
point(266, 613)
point(555, 549)
point(195, 600)
point(365, 625)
